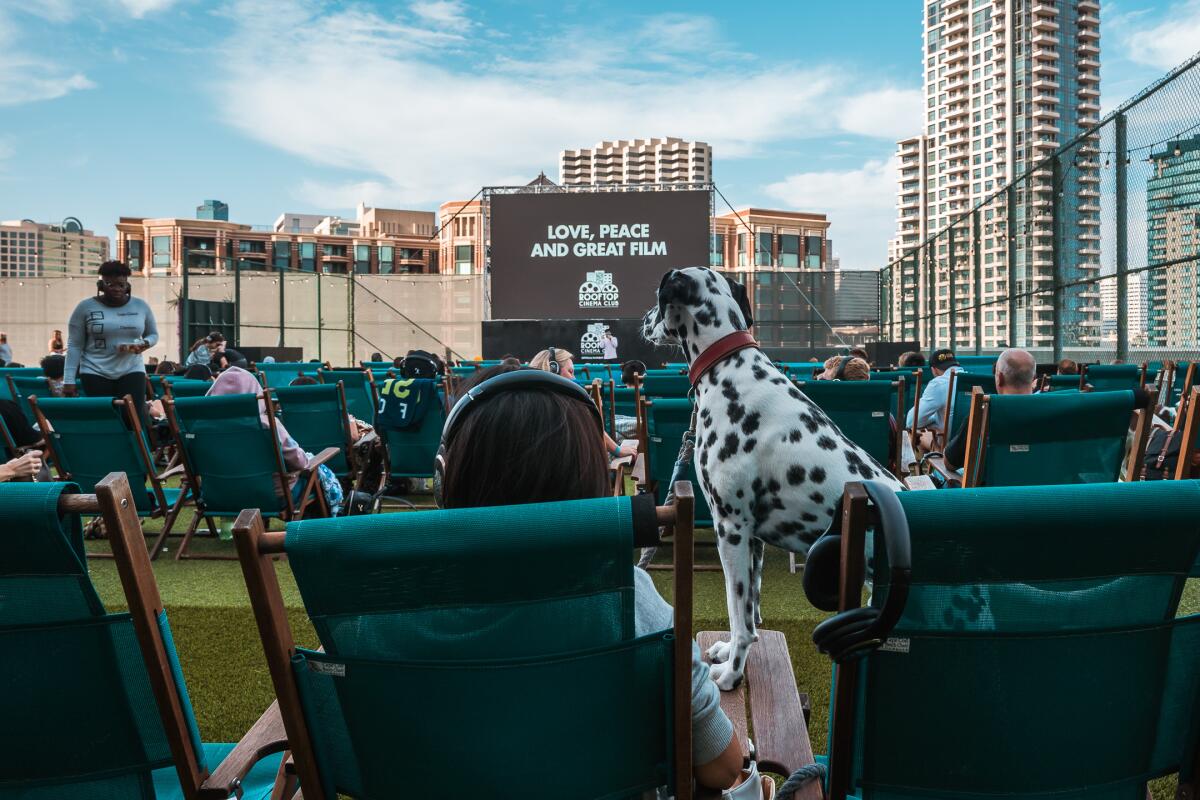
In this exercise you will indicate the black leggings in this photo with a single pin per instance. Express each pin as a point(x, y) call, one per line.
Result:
point(131, 383)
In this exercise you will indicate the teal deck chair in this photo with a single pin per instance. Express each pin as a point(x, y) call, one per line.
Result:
point(282, 373)
point(185, 387)
point(237, 463)
point(666, 421)
point(1113, 377)
point(861, 410)
point(1061, 383)
point(316, 417)
point(1040, 660)
point(157, 389)
point(83, 718)
point(96, 436)
point(16, 372)
point(980, 365)
point(411, 451)
point(372, 365)
point(665, 384)
point(1055, 438)
point(962, 385)
point(485, 639)
point(361, 399)
point(22, 387)
point(622, 402)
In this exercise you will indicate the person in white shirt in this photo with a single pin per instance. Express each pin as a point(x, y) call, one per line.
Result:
point(933, 399)
point(609, 343)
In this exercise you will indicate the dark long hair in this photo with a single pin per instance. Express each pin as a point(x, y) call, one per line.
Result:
point(524, 446)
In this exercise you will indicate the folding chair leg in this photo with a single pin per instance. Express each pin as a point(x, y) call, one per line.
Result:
point(191, 531)
point(791, 562)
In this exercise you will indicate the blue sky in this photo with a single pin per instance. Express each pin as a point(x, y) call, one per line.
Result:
point(147, 107)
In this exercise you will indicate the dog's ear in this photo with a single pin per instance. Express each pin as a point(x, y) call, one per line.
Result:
point(743, 301)
point(668, 291)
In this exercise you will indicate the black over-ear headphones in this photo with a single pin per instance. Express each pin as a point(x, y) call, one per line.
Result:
point(843, 361)
point(859, 631)
point(554, 367)
point(517, 380)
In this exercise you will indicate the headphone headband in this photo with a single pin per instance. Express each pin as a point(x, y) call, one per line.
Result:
point(516, 380)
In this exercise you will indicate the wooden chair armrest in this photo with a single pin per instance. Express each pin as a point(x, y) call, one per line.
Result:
point(769, 695)
point(265, 737)
point(919, 483)
point(937, 463)
point(321, 458)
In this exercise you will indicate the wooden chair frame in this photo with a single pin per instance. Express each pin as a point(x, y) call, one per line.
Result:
point(169, 513)
point(1188, 430)
point(257, 548)
point(913, 436)
point(291, 510)
point(113, 501)
point(1189, 378)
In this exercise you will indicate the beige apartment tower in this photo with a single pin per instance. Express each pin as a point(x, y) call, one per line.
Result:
point(1006, 82)
point(31, 249)
point(634, 161)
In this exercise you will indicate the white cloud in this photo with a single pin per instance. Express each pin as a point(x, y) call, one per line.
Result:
point(1165, 43)
point(680, 33)
point(423, 132)
point(140, 8)
point(889, 113)
point(25, 78)
point(446, 14)
point(860, 204)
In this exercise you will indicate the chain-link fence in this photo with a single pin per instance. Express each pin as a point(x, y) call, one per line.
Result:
point(342, 319)
point(1091, 252)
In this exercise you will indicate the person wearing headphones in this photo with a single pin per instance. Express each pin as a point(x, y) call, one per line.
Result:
point(562, 363)
point(845, 368)
point(510, 410)
point(106, 336)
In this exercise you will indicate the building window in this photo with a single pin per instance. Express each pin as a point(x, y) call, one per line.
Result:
point(812, 252)
point(789, 251)
point(308, 256)
point(387, 259)
point(742, 240)
point(464, 259)
point(133, 254)
point(362, 258)
point(762, 249)
point(716, 250)
point(162, 251)
point(283, 254)
point(252, 247)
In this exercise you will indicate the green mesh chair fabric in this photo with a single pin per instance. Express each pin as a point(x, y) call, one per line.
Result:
point(1058, 383)
point(982, 365)
point(960, 404)
point(24, 386)
point(1036, 660)
point(625, 401)
point(860, 410)
point(667, 420)
point(43, 572)
point(232, 454)
point(91, 440)
point(1113, 377)
point(384, 365)
point(411, 451)
point(463, 372)
point(156, 384)
point(184, 387)
point(281, 373)
point(1056, 438)
point(316, 419)
point(21, 372)
point(360, 401)
point(479, 637)
point(665, 384)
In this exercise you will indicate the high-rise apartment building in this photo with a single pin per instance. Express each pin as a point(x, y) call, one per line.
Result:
point(1006, 83)
point(1173, 238)
point(31, 249)
point(213, 209)
point(1135, 310)
point(633, 161)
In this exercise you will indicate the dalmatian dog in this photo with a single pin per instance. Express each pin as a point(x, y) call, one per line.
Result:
point(771, 464)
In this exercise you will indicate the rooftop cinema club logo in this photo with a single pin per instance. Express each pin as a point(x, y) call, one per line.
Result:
point(589, 343)
point(599, 291)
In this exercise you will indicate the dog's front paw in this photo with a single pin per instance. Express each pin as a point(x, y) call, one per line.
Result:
point(719, 652)
point(725, 676)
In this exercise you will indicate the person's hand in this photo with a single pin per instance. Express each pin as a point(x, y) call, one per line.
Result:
point(69, 390)
point(627, 449)
point(23, 468)
point(925, 440)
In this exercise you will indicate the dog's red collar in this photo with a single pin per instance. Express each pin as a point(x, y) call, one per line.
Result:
point(719, 350)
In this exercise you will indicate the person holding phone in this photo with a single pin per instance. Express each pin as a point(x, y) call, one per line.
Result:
point(106, 336)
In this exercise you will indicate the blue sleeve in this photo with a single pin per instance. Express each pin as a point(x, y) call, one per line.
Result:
point(150, 329)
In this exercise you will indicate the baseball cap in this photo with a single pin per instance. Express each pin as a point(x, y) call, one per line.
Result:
point(943, 358)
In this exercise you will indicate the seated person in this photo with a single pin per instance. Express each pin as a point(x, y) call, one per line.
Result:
point(933, 398)
point(859, 352)
point(630, 369)
point(198, 372)
point(304, 380)
point(570, 466)
point(1068, 367)
point(23, 434)
point(566, 368)
point(845, 368)
point(166, 368)
point(52, 367)
point(1016, 373)
point(910, 358)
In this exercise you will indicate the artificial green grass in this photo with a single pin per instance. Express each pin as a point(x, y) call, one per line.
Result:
point(226, 673)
